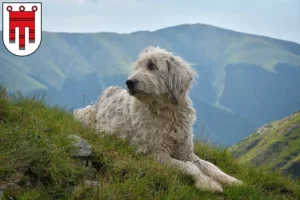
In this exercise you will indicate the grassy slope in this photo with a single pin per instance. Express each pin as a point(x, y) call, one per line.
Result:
point(37, 163)
point(276, 144)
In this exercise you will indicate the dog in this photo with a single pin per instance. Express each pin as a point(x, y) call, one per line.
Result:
point(155, 114)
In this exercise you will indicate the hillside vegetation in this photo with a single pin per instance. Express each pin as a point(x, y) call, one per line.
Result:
point(276, 144)
point(37, 162)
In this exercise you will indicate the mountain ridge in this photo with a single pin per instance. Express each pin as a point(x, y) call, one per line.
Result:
point(174, 26)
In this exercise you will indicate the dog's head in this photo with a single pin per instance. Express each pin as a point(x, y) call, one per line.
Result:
point(158, 74)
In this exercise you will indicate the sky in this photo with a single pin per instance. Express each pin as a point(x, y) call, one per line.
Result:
point(274, 18)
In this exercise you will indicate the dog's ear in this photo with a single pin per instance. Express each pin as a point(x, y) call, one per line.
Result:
point(171, 82)
point(180, 78)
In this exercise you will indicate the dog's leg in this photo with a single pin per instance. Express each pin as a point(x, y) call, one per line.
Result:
point(201, 180)
point(213, 171)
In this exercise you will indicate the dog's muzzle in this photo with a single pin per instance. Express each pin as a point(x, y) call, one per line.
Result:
point(131, 86)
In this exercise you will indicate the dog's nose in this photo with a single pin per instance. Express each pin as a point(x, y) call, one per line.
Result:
point(130, 84)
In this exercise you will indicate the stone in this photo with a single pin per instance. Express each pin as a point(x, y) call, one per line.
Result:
point(83, 148)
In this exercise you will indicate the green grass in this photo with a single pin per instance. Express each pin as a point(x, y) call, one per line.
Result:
point(37, 163)
point(285, 132)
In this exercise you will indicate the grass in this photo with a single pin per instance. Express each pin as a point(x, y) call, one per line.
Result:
point(37, 162)
point(277, 145)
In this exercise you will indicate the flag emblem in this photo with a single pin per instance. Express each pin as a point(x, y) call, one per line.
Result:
point(22, 27)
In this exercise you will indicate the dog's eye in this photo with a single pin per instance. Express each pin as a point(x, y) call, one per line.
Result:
point(151, 66)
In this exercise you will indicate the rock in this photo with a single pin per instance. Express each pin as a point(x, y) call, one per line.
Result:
point(84, 149)
point(1, 193)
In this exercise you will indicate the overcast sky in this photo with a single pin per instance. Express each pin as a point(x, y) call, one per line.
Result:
point(274, 18)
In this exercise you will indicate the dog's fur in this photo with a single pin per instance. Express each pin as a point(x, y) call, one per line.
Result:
point(156, 116)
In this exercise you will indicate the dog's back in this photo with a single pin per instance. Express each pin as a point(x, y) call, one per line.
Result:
point(107, 114)
point(87, 116)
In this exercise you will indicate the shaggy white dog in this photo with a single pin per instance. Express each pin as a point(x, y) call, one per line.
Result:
point(155, 114)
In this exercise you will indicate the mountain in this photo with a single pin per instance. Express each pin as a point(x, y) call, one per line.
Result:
point(276, 144)
point(242, 77)
point(39, 160)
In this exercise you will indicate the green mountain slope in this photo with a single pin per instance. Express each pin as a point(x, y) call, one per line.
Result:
point(276, 144)
point(37, 162)
point(242, 76)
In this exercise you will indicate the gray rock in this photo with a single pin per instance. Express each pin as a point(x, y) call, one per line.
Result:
point(84, 149)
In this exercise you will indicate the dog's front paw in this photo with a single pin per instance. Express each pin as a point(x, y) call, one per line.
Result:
point(238, 182)
point(234, 181)
point(210, 186)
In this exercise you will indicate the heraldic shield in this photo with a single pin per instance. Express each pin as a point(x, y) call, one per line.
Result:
point(22, 27)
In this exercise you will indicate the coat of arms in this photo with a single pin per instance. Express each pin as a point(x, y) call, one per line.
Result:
point(22, 27)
